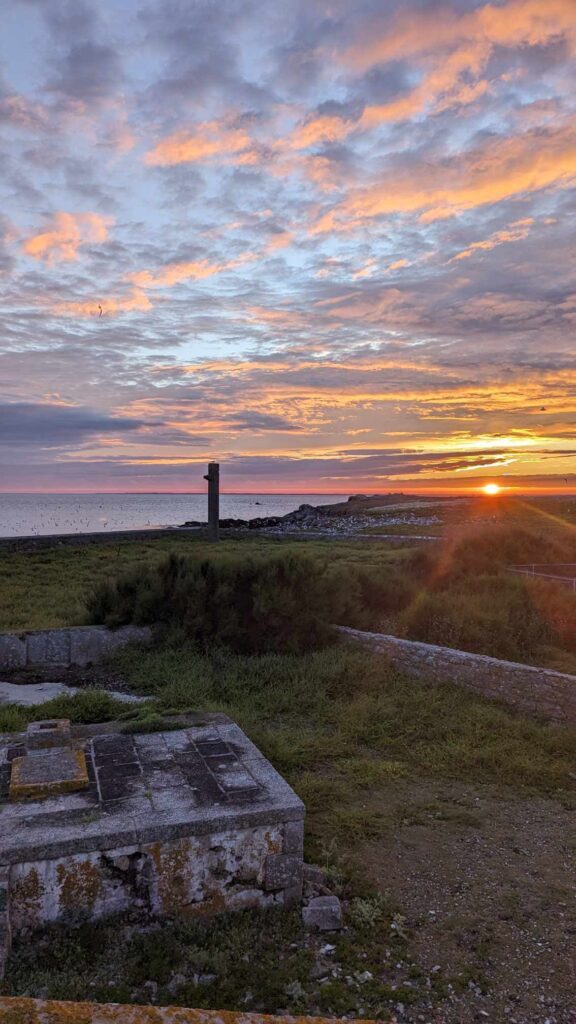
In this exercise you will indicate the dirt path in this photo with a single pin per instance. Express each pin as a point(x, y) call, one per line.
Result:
point(487, 882)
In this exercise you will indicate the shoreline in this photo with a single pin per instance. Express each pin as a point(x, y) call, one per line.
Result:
point(341, 520)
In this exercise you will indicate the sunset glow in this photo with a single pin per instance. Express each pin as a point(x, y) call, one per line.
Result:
point(329, 246)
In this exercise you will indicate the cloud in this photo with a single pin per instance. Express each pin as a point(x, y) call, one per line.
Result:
point(453, 49)
point(53, 426)
point(174, 273)
point(497, 170)
point(331, 225)
point(515, 231)
point(89, 73)
point(208, 142)
point(66, 233)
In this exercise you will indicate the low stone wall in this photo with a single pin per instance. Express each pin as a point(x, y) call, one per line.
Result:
point(535, 690)
point(22, 1010)
point(76, 645)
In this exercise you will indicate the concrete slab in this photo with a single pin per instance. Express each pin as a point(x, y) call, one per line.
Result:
point(191, 821)
point(30, 695)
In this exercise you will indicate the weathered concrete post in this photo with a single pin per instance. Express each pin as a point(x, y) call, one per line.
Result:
point(213, 478)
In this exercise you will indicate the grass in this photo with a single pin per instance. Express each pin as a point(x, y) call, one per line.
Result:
point(252, 961)
point(48, 588)
point(81, 708)
point(348, 733)
point(342, 719)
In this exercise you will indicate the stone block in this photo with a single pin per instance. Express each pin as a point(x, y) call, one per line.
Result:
point(294, 837)
point(44, 773)
point(50, 647)
point(12, 651)
point(291, 896)
point(52, 732)
point(91, 644)
point(315, 875)
point(282, 871)
point(323, 914)
point(86, 645)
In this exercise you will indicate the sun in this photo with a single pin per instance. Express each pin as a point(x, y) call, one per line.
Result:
point(491, 489)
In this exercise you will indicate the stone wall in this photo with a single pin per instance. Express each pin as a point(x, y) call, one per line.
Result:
point(76, 645)
point(534, 690)
point(195, 875)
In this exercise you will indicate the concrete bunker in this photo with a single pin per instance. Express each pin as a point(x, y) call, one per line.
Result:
point(94, 821)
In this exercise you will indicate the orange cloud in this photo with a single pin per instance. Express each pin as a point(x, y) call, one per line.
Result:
point(366, 271)
point(413, 33)
point(513, 233)
point(174, 273)
point(208, 141)
point(502, 169)
point(136, 301)
point(67, 232)
point(318, 130)
point(452, 48)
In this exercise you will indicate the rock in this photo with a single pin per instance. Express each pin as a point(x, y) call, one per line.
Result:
point(314, 875)
point(263, 523)
point(323, 914)
point(318, 971)
point(176, 982)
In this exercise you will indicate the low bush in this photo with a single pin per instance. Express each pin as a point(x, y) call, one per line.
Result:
point(247, 604)
point(286, 602)
point(492, 615)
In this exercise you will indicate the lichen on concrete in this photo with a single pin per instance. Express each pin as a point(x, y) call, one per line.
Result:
point(21, 1010)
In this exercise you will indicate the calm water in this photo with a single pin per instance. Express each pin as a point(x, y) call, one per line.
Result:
point(22, 515)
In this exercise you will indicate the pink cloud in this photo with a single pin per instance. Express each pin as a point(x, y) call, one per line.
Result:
point(65, 235)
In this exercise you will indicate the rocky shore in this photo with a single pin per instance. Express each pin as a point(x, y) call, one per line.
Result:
point(344, 518)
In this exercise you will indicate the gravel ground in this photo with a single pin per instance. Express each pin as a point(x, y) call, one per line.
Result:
point(487, 882)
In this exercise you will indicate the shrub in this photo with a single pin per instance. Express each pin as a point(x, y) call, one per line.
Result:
point(251, 605)
point(490, 615)
point(365, 598)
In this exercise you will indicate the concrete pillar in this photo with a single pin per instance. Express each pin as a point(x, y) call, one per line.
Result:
point(213, 478)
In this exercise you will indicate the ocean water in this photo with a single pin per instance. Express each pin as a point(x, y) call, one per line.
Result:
point(25, 515)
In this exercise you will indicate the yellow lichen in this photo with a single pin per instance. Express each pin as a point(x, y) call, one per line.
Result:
point(20, 1010)
point(79, 884)
point(274, 844)
point(172, 868)
point(26, 897)
point(20, 789)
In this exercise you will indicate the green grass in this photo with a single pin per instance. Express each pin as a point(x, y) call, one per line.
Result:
point(81, 708)
point(342, 719)
point(48, 588)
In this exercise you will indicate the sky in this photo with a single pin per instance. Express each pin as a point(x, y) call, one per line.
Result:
point(329, 244)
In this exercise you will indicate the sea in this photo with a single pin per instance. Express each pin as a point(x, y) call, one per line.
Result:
point(27, 515)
